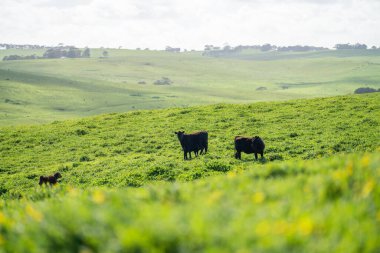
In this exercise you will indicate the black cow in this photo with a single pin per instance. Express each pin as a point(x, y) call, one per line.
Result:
point(193, 142)
point(249, 145)
point(50, 179)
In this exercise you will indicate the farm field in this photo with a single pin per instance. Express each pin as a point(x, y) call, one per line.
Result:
point(125, 186)
point(44, 90)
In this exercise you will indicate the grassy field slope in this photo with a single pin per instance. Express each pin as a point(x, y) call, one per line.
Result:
point(130, 149)
point(126, 187)
point(37, 91)
point(325, 205)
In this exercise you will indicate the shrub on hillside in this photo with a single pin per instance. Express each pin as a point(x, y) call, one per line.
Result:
point(362, 90)
point(163, 81)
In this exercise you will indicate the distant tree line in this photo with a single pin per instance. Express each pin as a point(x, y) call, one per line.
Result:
point(217, 51)
point(353, 46)
point(54, 52)
point(26, 46)
point(212, 50)
point(15, 57)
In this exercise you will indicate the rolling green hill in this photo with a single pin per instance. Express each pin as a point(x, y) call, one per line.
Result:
point(130, 149)
point(125, 187)
point(40, 91)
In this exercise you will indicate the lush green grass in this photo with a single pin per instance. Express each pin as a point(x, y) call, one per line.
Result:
point(126, 187)
point(327, 205)
point(130, 149)
point(37, 91)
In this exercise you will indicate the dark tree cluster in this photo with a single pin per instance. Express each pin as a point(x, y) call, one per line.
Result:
point(173, 49)
point(69, 52)
point(211, 50)
point(15, 57)
point(299, 48)
point(349, 46)
point(55, 52)
point(362, 90)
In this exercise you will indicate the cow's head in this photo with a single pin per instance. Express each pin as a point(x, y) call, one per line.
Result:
point(57, 175)
point(179, 134)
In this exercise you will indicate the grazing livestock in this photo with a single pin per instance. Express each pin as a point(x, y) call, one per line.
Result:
point(50, 179)
point(249, 145)
point(193, 142)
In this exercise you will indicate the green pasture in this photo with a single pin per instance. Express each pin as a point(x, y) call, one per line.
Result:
point(324, 205)
point(41, 91)
point(126, 187)
point(131, 149)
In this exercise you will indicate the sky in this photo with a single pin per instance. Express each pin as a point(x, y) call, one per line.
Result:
point(189, 24)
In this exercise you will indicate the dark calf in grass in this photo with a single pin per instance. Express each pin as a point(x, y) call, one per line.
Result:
point(50, 179)
point(249, 145)
point(193, 142)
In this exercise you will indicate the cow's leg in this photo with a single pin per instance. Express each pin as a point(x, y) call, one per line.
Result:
point(262, 155)
point(190, 155)
point(184, 155)
point(255, 156)
point(238, 155)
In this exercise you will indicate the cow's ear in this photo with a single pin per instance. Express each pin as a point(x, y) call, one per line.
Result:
point(175, 132)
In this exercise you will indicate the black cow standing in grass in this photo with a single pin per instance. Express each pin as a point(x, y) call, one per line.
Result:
point(193, 142)
point(53, 179)
point(249, 145)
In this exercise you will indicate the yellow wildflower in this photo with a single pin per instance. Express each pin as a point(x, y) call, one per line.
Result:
point(72, 191)
point(263, 228)
point(231, 174)
point(98, 197)
point(368, 187)
point(2, 218)
point(214, 197)
point(365, 161)
point(33, 213)
point(258, 197)
point(305, 226)
point(350, 169)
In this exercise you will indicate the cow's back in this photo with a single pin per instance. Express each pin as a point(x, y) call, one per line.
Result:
point(243, 144)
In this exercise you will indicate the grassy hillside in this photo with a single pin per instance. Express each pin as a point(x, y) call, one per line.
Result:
point(327, 205)
point(308, 195)
point(37, 91)
point(130, 149)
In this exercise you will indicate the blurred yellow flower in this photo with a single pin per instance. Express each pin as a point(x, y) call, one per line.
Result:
point(342, 175)
point(281, 227)
point(368, 187)
point(258, 197)
point(2, 218)
point(72, 191)
point(305, 226)
point(33, 213)
point(350, 168)
point(231, 174)
point(98, 197)
point(365, 161)
point(214, 197)
point(263, 228)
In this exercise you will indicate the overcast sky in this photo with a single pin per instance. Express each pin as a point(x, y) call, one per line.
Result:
point(189, 23)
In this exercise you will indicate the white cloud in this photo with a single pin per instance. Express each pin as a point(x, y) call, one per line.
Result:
point(189, 24)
